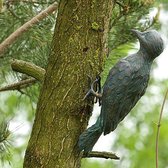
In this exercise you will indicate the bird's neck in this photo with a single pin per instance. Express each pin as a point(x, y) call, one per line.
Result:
point(145, 55)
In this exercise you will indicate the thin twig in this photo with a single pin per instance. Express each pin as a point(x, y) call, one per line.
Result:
point(154, 20)
point(19, 85)
point(105, 155)
point(28, 1)
point(158, 128)
point(120, 4)
point(13, 37)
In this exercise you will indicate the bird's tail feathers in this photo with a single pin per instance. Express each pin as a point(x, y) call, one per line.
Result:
point(89, 137)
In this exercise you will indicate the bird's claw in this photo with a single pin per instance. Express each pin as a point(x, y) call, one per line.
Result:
point(96, 93)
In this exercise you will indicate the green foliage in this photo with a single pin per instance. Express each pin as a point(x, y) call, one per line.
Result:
point(15, 108)
point(31, 46)
point(126, 16)
point(4, 141)
point(161, 1)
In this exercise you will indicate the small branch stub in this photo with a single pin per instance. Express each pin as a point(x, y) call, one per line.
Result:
point(105, 155)
point(28, 69)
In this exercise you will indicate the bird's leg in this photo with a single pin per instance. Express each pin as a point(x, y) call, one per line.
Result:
point(99, 84)
point(96, 93)
point(98, 89)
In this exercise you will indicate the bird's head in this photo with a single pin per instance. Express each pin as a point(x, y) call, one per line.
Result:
point(150, 41)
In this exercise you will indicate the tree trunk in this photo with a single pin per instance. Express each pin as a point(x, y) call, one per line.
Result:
point(78, 50)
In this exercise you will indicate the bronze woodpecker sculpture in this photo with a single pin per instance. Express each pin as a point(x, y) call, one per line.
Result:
point(125, 85)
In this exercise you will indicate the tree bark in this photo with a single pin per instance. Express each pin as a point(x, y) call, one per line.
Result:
point(78, 50)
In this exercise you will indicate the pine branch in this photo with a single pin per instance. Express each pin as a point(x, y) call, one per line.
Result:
point(105, 155)
point(29, 2)
point(5, 142)
point(13, 37)
point(19, 85)
point(29, 69)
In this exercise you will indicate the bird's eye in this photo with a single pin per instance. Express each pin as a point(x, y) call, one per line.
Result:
point(147, 35)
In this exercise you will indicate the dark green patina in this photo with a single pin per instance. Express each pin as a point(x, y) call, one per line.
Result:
point(125, 85)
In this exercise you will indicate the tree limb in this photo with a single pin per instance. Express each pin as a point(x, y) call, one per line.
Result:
point(105, 155)
point(13, 37)
point(28, 69)
point(19, 85)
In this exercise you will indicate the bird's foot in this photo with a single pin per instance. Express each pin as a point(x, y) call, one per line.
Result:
point(97, 93)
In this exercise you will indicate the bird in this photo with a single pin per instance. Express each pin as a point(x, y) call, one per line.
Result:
point(126, 83)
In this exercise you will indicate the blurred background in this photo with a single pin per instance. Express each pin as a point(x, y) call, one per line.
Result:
point(134, 139)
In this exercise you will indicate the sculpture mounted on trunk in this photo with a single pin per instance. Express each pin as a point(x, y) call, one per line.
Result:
point(125, 85)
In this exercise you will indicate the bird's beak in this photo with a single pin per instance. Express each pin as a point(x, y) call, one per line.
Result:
point(137, 33)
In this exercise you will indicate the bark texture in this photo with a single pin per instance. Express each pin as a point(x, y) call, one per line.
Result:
point(78, 50)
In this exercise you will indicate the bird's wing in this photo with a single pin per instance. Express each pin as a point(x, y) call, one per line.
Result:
point(117, 99)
